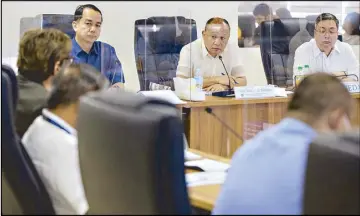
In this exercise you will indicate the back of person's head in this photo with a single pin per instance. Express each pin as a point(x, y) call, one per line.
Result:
point(283, 13)
point(262, 10)
point(352, 22)
point(322, 100)
point(72, 82)
point(42, 52)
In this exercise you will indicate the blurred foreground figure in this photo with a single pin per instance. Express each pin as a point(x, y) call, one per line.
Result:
point(267, 172)
point(51, 139)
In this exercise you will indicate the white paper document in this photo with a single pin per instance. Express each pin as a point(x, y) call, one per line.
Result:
point(209, 165)
point(191, 156)
point(204, 178)
point(166, 95)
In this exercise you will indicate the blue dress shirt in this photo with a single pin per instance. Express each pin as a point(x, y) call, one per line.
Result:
point(267, 173)
point(101, 56)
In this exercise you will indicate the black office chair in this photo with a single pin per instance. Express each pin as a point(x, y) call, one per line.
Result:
point(131, 155)
point(332, 183)
point(158, 42)
point(274, 46)
point(17, 167)
point(62, 22)
point(246, 23)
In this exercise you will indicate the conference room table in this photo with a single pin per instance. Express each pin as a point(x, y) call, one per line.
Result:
point(204, 197)
point(246, 117)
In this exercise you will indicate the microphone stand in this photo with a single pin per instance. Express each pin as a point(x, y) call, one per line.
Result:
point(220, 57)
point(209, 111)
point(229, 91)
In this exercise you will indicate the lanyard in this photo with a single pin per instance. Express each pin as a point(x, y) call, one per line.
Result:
point(55, 124)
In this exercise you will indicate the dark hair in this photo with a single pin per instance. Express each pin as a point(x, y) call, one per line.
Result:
point(217, 20)
point(319, 93)
point(283, 13)
point(262, 9)
point(80, 9)
point(327, 16)
point(39, 50)
point(354, 19)
point(72, 82)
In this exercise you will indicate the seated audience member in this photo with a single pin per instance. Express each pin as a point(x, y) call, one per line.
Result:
point(41, 54)
point(51, 140)
point(267, 172)
point(87, 26)
point(351, 27)
point(325, 53)
point(204, 54)
point(262, 13)
point(283, 13)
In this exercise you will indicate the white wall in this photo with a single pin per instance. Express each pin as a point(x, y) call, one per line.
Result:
point(118, 27)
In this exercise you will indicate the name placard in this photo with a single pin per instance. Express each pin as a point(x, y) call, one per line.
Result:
point(352, 86)
point(255, 91)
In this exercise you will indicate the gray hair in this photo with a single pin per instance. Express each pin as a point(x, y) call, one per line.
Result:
point(73, 81)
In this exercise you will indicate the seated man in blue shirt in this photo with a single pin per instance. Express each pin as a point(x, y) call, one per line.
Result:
point(267, 173)
point(87, 26)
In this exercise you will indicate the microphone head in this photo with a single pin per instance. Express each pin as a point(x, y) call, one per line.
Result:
point(208, 109)
point(220, 57)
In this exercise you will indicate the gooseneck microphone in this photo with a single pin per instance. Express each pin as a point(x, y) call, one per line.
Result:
point(220, 57)
point(209, 110)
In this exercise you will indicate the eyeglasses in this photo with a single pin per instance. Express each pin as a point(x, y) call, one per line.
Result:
point(322, 32)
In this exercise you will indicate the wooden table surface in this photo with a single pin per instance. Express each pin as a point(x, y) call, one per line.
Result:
point(204, 197)
point(246, 117)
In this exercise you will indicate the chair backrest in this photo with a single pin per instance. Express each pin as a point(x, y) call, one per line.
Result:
point(332, 176)
point(124, 172)
point(62, 22)
point(246, 23)
point(16, 165)
point(158, 42)
point(274, 46)
point(13, 82)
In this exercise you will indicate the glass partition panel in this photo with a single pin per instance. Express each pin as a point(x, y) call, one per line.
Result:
point(158, 42)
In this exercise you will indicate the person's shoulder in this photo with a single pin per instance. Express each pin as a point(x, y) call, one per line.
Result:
point(343, 46)
point(104, 44)
point(305, 47)
point(193, 45)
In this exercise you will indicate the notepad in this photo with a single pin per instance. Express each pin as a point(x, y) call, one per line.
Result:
point(166, 95)
point(191, 156)
point(209, 165)
point(205, 178)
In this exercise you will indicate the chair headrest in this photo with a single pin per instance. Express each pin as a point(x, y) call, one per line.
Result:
point(332, 175)
point(131, 167)
point(166, 34)
point(292, 25)
point(62, 22)
point(124, 99)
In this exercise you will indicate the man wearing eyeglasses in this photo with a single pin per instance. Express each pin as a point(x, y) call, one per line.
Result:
point(87, 26)
point(207, 54)
point(325, 53)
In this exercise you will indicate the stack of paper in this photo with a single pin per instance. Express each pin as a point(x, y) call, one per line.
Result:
point(166, 95)
point(191, 156)
point(205, 178)
point(209, 165)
